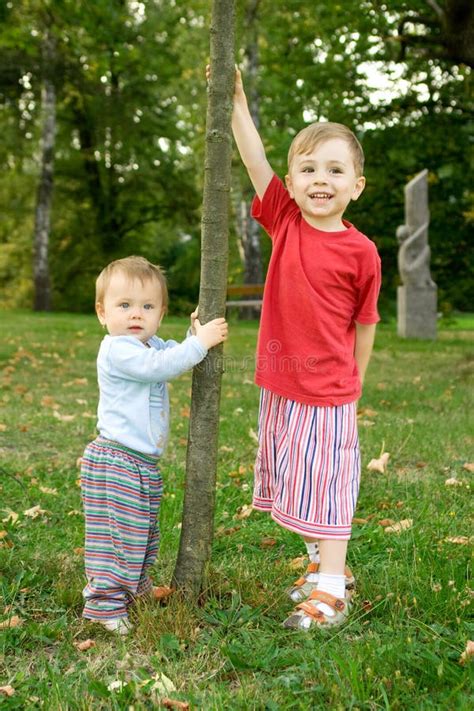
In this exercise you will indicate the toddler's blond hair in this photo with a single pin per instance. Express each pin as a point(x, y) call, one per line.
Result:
point(134, 268)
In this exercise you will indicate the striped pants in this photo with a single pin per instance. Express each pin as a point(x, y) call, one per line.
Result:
point(121, 491)
point(307, 471)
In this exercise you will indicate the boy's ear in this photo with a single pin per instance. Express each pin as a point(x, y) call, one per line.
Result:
point(99, 309)
point(289, 186)
point(359, 187)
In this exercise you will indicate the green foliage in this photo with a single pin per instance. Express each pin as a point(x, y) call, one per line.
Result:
point(131, 120)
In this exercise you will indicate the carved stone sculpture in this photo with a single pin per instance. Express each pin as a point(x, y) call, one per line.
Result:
point(417, 298)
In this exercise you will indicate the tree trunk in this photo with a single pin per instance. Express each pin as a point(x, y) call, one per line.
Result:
point(249, 231)
point(42, 286)
point(199, 497)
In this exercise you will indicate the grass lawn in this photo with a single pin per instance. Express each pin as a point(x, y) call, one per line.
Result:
point(402, 646)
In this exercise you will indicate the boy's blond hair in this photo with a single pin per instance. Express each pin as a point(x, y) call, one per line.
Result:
point(134, 268)
point(314, 134)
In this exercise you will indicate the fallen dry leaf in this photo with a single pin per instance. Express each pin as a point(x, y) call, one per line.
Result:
point(253, 435)
point(469, 467)
point(161, 592)
point(79, 551)
point(34, 512)
point(48, 401)
point(76, 381)
point(63, 418)
point(48, 490)
point(453, 482)
point(174, 704)
point(3, 534)
point(468, 652)
point(7, 690)
point(297, 563)
point(85, 645)
point(400, 526)
point(3, 428)
point(244, 511)
point(360, 521)
point(14, 621)
point(384, 522)
point(366, 423)
point(12, 517)
point(366, 412)
point(223, 531)
point(380, 464)
point(460, 540)
point(268, 542)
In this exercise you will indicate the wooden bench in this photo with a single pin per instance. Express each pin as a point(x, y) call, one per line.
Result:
point(245, 290)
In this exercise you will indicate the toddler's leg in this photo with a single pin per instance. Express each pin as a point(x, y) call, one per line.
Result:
point(145, 584)
point(115, 486)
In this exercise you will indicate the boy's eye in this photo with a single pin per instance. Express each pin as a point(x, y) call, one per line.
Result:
point(308, 169)
point(336, 170)
point(124, 305)
point(148, 306)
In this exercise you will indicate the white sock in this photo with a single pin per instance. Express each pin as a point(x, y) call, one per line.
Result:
point(333, 584)
point(313, 551)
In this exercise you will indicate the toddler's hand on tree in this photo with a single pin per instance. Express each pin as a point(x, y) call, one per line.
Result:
point(212, 333)
point(194, 316)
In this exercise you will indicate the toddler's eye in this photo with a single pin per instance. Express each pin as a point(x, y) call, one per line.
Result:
point(124, 305)
point(148, 307)
point(308, 169)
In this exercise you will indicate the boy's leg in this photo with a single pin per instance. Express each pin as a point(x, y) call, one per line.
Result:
point(269, 421)
point(115, 485)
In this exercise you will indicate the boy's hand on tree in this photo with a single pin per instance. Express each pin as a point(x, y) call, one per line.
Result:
point(238, 85)
point(212, 333)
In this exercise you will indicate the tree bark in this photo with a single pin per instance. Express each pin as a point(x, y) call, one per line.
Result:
point(44, 196)
point(201, 465)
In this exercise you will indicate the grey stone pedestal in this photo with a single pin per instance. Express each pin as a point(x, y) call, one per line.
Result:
point(417, 311)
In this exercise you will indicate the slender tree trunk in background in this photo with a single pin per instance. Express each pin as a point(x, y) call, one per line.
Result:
point(44, 196)
point(201, 465)
point(249, 230)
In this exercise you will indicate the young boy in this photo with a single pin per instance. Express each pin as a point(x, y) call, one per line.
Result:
point(120, 478)
point(316, 335)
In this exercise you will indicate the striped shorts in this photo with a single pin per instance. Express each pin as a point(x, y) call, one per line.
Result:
point(307, 471)
point(121, 492)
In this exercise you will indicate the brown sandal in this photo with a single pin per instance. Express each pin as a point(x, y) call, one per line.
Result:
point(307, 614)
point(302, 587)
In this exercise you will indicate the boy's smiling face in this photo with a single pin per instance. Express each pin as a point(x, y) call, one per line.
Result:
point(323, 182)
point(131, 307)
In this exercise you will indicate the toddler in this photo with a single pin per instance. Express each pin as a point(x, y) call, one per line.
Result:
point(120, 476)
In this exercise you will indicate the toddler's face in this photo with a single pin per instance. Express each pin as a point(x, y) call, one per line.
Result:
point(131, 308)
point(323, 182)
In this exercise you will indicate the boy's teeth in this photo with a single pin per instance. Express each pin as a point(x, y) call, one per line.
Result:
point(320, 195)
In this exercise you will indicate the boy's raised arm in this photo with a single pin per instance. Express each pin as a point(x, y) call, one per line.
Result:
point(248, 140)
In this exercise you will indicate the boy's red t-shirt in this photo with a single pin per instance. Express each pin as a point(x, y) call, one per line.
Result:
point(318, 285)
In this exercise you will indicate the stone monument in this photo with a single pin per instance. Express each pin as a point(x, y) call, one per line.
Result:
point(417, 297)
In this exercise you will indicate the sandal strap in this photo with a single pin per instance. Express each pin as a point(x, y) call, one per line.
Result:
point(310, 610)
point(312, 568)
point(336, 603)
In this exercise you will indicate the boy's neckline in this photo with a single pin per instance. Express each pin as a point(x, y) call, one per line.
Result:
point(348, 226)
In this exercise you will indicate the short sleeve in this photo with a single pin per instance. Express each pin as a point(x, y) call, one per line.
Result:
point(275, 205)
point(366, 312)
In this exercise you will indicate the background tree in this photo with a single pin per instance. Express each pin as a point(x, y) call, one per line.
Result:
point(201, 464)
point(42, 299)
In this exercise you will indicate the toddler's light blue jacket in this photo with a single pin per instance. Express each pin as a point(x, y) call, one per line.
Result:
point(133, 402)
